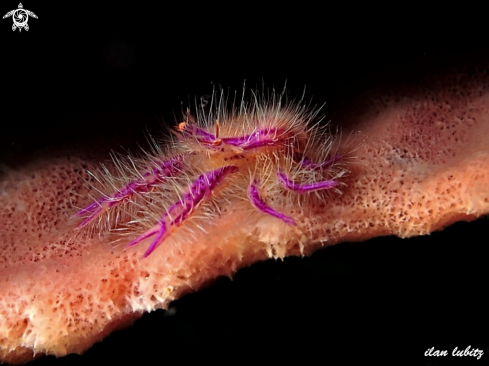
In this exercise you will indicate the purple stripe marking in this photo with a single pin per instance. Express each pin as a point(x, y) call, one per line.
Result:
point(198, 190)
point(257, 139)
point(203, 133)
point(201, 188)
point(199, 134)
point(303, 188)
point(159, 229)
point(260, 204)
point(168, 168)
point(309, 164)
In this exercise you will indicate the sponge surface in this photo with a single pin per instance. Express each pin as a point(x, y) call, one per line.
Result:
point(422, 163)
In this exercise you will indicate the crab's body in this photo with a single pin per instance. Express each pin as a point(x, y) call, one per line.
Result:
point(265, 162)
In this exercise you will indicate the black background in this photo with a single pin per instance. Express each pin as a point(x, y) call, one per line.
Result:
point(103, 73)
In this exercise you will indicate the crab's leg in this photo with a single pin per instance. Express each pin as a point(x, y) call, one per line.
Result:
point(259, 203)
point(257, 139)
point(150, 180)
point(310, 165)
point(198, 191)
point(263, 137)
point(189, 129)
point(303, 188)
point(199, 134)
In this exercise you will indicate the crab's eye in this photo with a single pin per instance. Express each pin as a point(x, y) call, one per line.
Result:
point(181, 126)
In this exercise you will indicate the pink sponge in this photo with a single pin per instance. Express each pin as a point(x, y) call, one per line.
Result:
point(417, 164)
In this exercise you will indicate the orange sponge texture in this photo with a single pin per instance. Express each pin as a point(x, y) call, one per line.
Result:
point(418, 162)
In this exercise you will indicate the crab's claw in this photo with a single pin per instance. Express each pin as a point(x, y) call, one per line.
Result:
point(161, 234)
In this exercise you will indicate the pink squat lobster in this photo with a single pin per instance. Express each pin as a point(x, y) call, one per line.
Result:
point(203, 186)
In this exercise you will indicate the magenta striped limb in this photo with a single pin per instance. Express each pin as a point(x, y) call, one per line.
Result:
point(303, 188)
point(254, 140)
point(260, 204)
point(149, 181)
point(189, 130)
point(192, 131)
point(257, 139)
point(199, 190)
point(310, 165)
